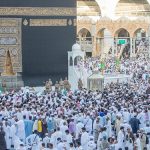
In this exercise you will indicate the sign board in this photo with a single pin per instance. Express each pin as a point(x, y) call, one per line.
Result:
point(122, 41)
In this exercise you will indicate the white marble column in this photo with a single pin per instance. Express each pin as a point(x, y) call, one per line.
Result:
point(116, 47)
point(131, 49)
point(149, 46)
point(113, 48)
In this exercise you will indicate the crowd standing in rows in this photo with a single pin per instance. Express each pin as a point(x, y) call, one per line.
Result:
point(117, 118)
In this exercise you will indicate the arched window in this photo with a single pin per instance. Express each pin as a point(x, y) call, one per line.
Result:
point(77, 59)
point(85, 34)
point(71, 61)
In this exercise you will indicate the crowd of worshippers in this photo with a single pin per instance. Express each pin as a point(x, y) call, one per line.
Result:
point(111, 65)
point(116, 119)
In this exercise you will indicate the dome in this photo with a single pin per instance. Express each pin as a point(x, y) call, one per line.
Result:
point(76, 47)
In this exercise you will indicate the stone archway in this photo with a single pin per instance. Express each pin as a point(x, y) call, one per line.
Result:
point(140, 32)
point(84, 33)
point(85, 39)
point(77, 59)
point(140, 40)
point(122, 43)
point(122, 32)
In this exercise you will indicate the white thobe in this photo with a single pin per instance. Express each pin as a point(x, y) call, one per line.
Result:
point(68, 138)
point(126, 116)
point(21, 130)
point(100, 136)
point(53, 139)
point(79, 148)
point(27, 114)
point(120, 139)
point(55, 136)
point(109, 128)
point(13, 133)
point(35, 125)
point(59, 134)
point(91, 145)
point(17, 142)
point(46, 140)
point(138, 144)
point(63, 128)
point(84, 140)
point(126, 126)
point(79, 127)
point(60, 146)
point(147, 129)
point(33, 140)
point(22, 148)
point(141, 118)
point(88, 125)
point(8, 137)
point(19, 115)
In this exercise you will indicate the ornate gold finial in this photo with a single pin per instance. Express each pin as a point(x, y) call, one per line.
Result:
point(25, 22)
point(69, 22)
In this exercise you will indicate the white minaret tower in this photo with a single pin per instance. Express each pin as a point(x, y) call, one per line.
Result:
point(74, 57)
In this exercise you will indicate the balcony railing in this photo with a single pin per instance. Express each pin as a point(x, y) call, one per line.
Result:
point(86, 44)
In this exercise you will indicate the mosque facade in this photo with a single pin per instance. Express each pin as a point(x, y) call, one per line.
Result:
point(110, 27)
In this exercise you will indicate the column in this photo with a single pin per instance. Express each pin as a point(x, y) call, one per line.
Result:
point(98, 46)
point(116, 47)
point(102, 47)
point(94, 52)
point(131, 49)
point(149, 46)
point(80, 39)
point(134, 47)
point(113, 48)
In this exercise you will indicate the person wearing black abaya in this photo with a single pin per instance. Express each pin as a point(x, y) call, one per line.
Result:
point(134, 122)
point(2, 139)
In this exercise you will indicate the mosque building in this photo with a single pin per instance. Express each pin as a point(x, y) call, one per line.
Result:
point(116, 27)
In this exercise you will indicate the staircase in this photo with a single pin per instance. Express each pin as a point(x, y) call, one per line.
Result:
point(121, 50)
point(142, 49)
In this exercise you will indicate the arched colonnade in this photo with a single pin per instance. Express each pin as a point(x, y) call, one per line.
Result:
point(106, 35)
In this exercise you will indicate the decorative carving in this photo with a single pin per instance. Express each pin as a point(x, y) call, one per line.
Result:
point(38, 11)
point(48, 22)
point(14, 52)
point(70, 22)
point(113, 26)
point(8, 22)
point(2, 52)
point(8, 41)
point(25, 22)
point(8, 68)
point(10, 46)
point(7, 30)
